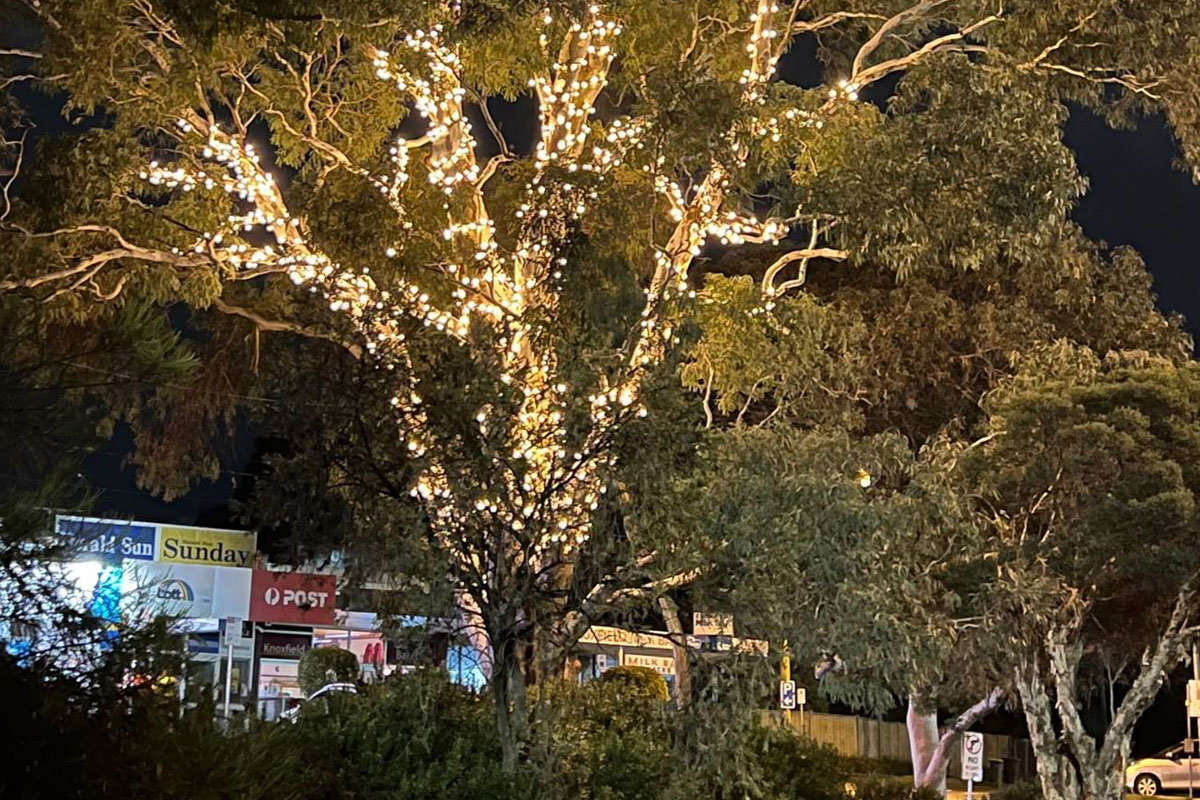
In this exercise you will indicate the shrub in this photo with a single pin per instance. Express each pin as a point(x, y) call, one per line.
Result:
point(1021, 790)
point(316, 665)
point(413, 737)
point(891, 788)
point(794, 766)
point(638, 683)
point(861, 765)
point(609, 738)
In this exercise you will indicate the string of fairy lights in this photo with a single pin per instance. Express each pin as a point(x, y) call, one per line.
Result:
point(548, 479)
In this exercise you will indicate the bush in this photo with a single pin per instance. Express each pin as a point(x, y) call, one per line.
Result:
point(1021, 790)
point(413, 737)
point(316, 665)
point(891, 788)
point(638, 683)
point(794, 766)
point(609, 738)
point(861, 765)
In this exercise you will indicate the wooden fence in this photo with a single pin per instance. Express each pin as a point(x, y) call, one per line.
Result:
point(872, 738)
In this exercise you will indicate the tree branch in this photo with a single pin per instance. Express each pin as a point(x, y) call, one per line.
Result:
point(951, 42)
point(264, 324)
point(911, 14)
point(1180, 629)
point(829, 20)
point(940, 757)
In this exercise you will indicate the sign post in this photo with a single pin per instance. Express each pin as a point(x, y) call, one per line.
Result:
point(233, 630)
point(1193, 713)
point(972, 760)
point(801, 701)
point(787, 687)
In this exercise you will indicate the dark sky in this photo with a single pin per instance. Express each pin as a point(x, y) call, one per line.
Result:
point(1136, 198)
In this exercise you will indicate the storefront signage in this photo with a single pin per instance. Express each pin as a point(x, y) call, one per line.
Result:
point(708, 624)
point(203, 643)
point(291, 646)
point(300, 597)
point(207, 546)
point(617, 637)
point(600, 634)
point(108, 539)
point(661, 665)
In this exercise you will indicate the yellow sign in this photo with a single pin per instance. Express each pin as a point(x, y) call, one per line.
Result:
point(663, 666)
point(209, 546)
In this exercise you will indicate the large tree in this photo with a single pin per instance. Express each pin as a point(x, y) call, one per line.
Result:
point(1088, 480)
point(902, 367)
point(262, 164)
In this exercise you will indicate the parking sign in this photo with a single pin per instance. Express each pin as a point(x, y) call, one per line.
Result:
point(787, 695)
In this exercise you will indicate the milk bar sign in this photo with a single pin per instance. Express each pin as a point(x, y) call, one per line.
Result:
point(661, 665)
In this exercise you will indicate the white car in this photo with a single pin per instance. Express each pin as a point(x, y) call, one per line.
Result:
point(1165, 772)
point(292, 714)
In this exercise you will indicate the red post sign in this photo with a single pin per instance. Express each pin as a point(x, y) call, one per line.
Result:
point(301, 597)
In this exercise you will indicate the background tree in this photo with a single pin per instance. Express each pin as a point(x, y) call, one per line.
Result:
point(901, 368)
point(447, 262)
point(1089, 479)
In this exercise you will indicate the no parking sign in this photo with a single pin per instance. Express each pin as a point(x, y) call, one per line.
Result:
point(972, 757)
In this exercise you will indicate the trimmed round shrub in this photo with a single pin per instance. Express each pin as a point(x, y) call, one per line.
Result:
point(316, 665)
point(641, 682)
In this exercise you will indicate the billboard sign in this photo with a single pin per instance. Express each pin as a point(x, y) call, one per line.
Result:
point(206, 546)
point(296, 597)
point(108, 539)
point(191, 591)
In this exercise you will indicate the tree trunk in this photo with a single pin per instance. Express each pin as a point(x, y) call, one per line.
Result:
point(1085, 774)
point(508, 693)
point(683, 685)
point(922, 742)
point(932, 748)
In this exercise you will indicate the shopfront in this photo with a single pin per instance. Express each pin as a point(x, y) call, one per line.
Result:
point(602, 648)
point(277, 661)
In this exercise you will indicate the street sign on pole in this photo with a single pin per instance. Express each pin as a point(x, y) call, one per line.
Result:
point(1193, 698)
point(972, 761)
point(972, 756)
point(801, 696)
point(230, 634)
point(787, 695)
